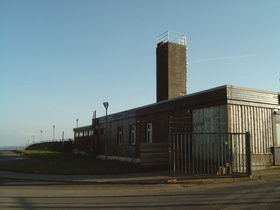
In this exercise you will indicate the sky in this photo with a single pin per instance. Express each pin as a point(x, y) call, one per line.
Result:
point(61, 59)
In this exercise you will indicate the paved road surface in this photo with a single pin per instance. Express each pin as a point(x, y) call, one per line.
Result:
point(258, 194)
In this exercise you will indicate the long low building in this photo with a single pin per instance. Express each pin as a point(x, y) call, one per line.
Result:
point(142, 135)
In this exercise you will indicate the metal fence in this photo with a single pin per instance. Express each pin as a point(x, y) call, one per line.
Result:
point(209, 153)
point(58, 146)
point(172, 36)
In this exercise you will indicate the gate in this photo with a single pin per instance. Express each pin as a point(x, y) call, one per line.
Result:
point(209, 153)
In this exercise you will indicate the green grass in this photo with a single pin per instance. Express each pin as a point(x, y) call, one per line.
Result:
point(67, 163)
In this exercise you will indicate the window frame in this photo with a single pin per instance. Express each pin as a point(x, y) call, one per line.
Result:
point(77, 134)
point(149, 132)
point(133, 134)
point(120, 135)
point(90, 133)
point(86, 133)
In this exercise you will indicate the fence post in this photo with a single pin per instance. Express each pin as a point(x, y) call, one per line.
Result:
point(248, 153)
point(170, 155)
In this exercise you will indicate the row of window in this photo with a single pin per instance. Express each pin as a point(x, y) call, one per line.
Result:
point(149, 134)
point(132, 135)
point(84, 133)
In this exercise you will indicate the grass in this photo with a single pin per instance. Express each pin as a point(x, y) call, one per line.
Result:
point(47, 162)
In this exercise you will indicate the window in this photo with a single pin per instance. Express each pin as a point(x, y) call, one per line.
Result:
point(133, 134)
point(81, 133)
point(120, 135)
point(85, 133)
point(278, 129)
point(149, 133)
point(76, 134)
point(91, 132)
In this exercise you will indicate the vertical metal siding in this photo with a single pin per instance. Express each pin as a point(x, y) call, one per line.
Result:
point(211, 119)
point(257, 121)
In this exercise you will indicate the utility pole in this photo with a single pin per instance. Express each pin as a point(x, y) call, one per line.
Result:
point(106, 105)
point(53, 131)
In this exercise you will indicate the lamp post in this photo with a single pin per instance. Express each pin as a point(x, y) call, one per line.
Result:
point(41, 135)
point(106, 105)
point(62, 141)
point(33, 140)
point(53, 131)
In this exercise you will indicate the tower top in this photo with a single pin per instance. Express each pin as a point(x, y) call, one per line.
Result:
point(171, 66)
point(172, 36)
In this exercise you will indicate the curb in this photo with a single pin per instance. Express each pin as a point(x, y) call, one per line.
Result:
point(134, 179)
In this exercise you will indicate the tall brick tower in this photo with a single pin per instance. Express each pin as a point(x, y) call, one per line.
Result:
point(171, 65)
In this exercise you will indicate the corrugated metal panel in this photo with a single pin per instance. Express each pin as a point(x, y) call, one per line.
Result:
point(211, 119)
point(257, 121)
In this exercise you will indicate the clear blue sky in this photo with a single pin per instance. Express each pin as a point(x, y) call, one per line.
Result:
point(61, 59)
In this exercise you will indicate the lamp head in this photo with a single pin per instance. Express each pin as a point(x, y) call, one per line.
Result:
point(106, 104)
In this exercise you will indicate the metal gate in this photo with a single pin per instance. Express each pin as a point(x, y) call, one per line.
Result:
point(209, 153)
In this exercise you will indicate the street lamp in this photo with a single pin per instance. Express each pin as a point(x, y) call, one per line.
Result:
point(41, 135)
point(106, 105)
point(53, 131)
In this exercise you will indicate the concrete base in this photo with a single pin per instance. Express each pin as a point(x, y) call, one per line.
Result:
point(276, 151)
point(262, 161)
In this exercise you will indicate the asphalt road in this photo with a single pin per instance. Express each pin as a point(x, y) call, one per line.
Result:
point(258, 194)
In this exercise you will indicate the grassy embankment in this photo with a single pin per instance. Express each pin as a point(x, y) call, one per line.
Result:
point(46, 162)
